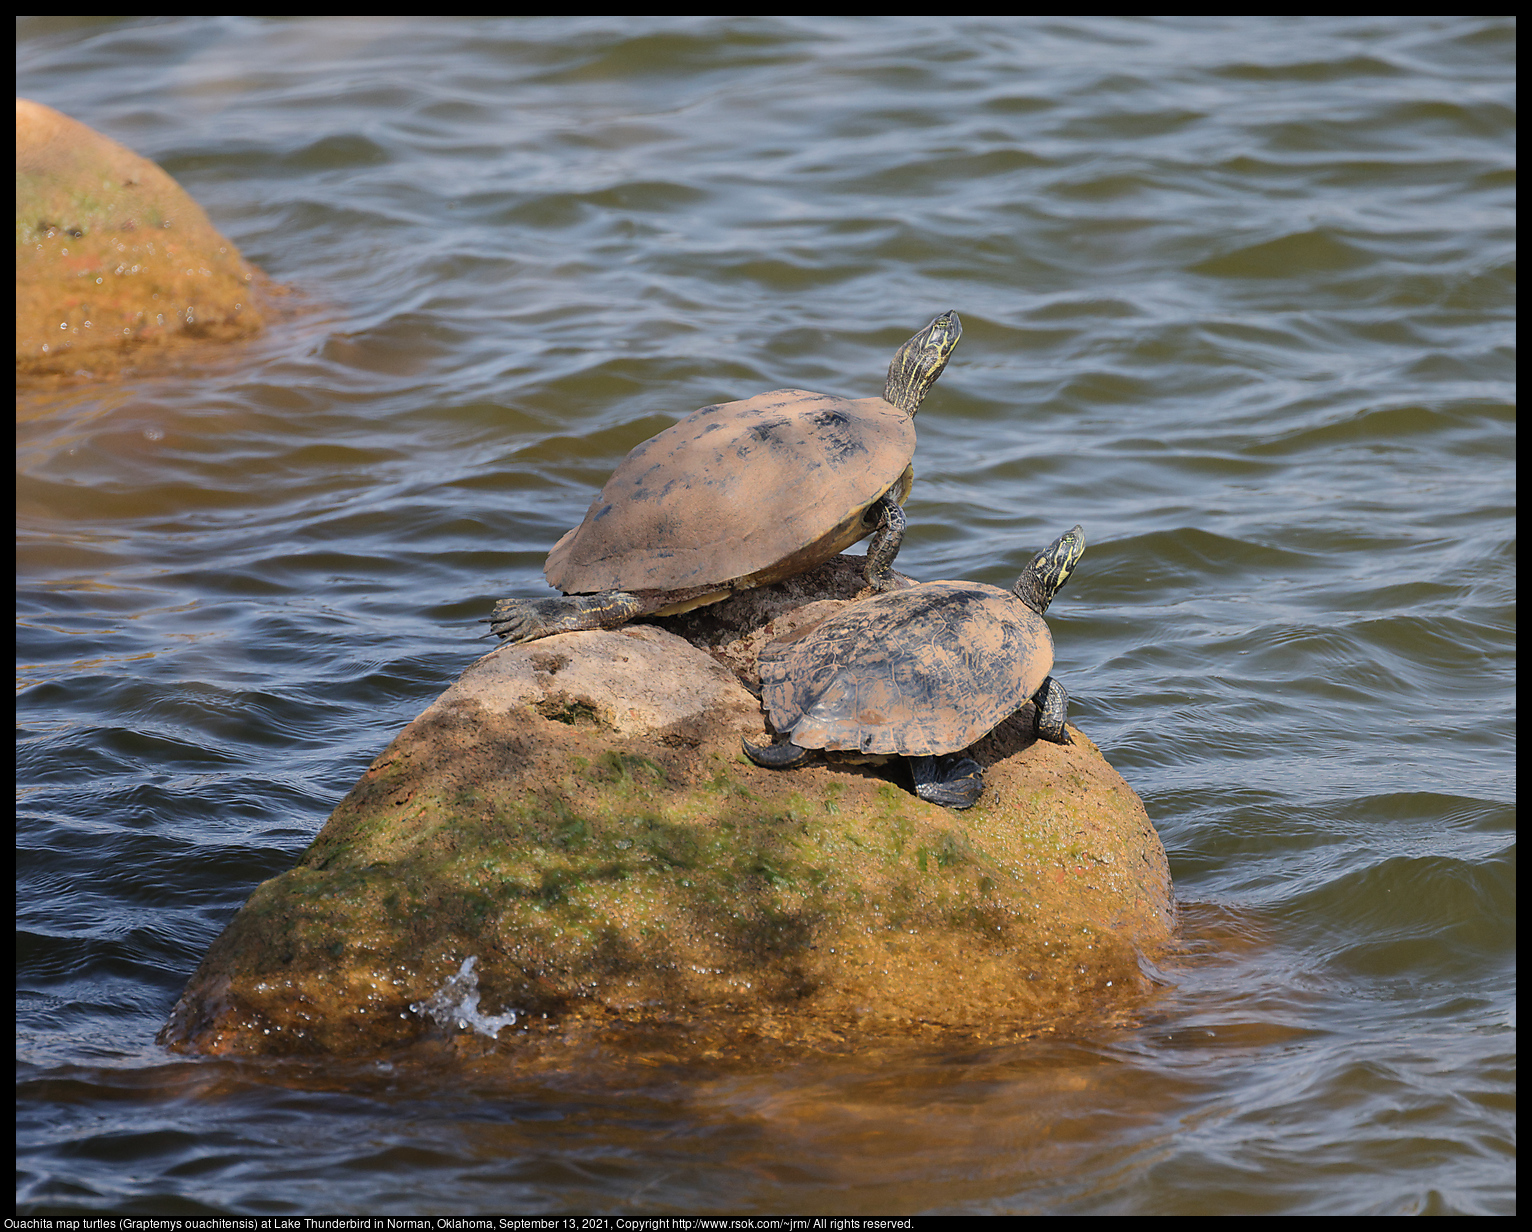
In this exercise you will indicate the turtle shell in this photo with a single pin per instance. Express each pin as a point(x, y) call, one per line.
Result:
point(920, 672)
point(739, 494)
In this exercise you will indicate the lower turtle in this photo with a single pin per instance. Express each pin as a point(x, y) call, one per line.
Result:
point(738, 495)
point(922, 673)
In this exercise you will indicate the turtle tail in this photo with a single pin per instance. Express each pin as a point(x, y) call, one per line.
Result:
point(778, 756)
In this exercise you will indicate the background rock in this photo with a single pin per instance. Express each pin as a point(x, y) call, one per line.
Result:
point(112, 253)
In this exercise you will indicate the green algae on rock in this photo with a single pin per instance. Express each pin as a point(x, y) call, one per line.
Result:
point(111, 252)
point(606, 864)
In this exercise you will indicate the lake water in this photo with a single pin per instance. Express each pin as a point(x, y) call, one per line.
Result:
point(1238, 296)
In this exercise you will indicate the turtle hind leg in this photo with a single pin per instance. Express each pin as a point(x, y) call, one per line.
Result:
point(525, 620)
point(953, 782)
point(1052, 704)
point(779, 756)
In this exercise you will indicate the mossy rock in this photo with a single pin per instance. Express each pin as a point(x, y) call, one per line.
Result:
point(576, 815)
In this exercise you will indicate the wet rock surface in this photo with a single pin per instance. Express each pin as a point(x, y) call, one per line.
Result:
point(576, 815)
point(112, 255)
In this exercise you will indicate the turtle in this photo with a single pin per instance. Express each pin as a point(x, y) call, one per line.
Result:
point(741, 494)
point(922, 672)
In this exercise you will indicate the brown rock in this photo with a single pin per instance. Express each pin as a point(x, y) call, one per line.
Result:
point(576, 816)
point(112, 253)
point(634, 680)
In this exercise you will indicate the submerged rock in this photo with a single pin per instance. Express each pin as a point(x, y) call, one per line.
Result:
point(576, 815)
point(112, 253)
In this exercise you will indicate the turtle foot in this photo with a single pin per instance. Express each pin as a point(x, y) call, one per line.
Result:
point(953, 782)
point(521, 620)
point(779, 756)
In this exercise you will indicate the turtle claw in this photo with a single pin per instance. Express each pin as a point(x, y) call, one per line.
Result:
point(507, 621)
point(524, 620)
point(953, 782)
point(780, 755)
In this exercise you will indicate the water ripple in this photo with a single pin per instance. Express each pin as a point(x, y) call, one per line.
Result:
point(1238, 295)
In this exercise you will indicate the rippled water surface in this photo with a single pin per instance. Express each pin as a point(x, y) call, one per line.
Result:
point(1237, 295)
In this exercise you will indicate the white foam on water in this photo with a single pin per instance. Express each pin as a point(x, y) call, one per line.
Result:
point(457, 1003)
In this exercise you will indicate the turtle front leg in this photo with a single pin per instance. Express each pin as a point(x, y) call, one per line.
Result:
point(525, 620)
point(885, 514)
point(782, 755)
point(1052, 705)
point(954, 782)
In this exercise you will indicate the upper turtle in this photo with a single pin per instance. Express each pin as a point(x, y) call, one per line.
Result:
point(746, 493)
point(742, 494)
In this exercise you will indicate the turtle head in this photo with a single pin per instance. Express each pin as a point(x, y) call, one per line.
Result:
point(918, 363)
point(1050, 569)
